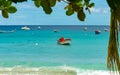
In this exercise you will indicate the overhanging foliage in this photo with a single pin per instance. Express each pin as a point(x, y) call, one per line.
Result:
point(72, 6)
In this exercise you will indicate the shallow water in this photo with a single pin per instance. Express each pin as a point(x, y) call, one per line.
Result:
point(39, 48)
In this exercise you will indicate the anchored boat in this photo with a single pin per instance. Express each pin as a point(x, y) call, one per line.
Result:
point(63, 41)
point(97, 31)
point(25, 28)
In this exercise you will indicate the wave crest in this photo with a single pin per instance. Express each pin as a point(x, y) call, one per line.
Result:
point(61, 70)
point(19, 70)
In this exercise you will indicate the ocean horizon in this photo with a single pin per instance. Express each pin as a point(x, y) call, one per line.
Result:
point(36, 52)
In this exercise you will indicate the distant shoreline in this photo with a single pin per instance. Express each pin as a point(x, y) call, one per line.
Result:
point(54, 25)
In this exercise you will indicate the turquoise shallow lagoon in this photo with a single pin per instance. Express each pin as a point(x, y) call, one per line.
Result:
point(38, 48)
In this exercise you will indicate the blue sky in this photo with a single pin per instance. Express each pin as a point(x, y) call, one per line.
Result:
point(28, 14)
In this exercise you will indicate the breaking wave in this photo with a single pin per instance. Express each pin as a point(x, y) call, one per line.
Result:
point(61, 70)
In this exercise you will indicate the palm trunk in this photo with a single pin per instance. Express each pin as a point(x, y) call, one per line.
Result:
point(113, 62)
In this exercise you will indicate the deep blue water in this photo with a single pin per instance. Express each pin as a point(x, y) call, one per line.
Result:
point(38, 47)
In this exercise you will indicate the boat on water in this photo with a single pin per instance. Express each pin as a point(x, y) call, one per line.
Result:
point(25, 28)
point(63, 41)
point(56, 30)
point(39, 27)
point(3, 31)
point(106, 30)
point(85, 28)
point(97, 31)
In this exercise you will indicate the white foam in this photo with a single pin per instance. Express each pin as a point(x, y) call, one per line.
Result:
point(93, 72)
point(87, 72)
point(61, 70)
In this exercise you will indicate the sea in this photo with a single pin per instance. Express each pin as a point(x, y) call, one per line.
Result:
point(36, 51)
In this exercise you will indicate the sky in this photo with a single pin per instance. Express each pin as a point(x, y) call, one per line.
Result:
point(28, 14)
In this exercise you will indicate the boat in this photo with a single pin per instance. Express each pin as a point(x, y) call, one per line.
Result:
point(25, 28)
point(3, 31)
point(55, 30)
point(85, 28)
point(39, 27)
point(63, 41)
point(106, 30)
point(97, 31)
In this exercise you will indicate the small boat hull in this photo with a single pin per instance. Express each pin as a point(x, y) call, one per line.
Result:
point(97, 31)
point(64, 43)
point(56, 30)
point(25, 28)
point(85, 28)
point(67, 41)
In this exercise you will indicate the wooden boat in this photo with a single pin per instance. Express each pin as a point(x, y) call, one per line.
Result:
point(63, 41)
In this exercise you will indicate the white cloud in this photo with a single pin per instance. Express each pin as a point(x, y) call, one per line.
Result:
point(100, 10)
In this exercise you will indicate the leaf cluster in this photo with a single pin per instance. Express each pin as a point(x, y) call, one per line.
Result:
point(6, 8)
point(78, 6)
point(45, 4)
point(73, 6)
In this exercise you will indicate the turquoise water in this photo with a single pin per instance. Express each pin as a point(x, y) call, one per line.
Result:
point(38, 48)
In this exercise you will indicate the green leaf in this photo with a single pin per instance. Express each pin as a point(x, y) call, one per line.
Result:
point(81, 15)
point(52, 2)
point(5, 14)
point(91, 5)
point(37, 3)
point(69, 12)
point(69, 6)
point(8, 3)
point(16, 1)
point(87, 2)
point(46, 6)
point(76, 7)
point(1, 3)
point(11, 9)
